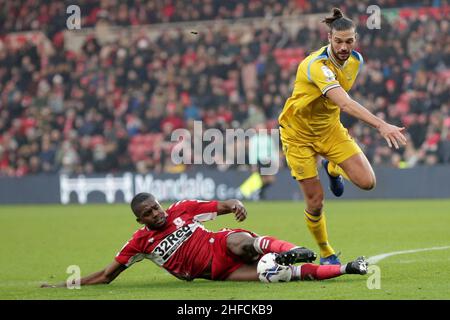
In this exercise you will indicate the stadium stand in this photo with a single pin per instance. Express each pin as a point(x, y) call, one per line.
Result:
point(49, 16)
point(111, 107)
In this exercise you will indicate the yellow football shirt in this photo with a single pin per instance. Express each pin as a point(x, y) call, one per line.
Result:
point(308, 115)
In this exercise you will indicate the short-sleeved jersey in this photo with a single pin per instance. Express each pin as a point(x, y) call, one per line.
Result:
point(182, 246)
point(308, 114)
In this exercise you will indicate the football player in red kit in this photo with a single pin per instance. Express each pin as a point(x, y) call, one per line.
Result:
point(176, 240)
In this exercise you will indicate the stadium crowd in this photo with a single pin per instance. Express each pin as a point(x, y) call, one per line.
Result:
point(50, 16)
point(113, 107)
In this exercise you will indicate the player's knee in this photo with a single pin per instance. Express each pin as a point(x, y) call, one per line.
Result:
point(233, 243)
point(368, 184)
point(242, 246)
point(315, 204)
point(249, 252)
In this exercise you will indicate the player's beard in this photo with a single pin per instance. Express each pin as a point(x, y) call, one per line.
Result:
point(341, 56)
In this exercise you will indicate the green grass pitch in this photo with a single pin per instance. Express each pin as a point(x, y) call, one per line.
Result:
point(39, 242)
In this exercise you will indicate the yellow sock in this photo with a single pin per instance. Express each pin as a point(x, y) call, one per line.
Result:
point(335, 170)
point(317, 225)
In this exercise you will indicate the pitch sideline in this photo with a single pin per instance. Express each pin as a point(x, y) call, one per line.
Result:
point(378, 258)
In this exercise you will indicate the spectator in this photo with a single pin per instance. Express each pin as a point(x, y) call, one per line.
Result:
point(54, 106)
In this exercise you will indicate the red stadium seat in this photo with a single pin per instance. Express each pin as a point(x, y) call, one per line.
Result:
point(96, 140)
point(142, 146)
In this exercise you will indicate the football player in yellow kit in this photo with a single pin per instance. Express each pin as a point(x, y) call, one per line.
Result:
point(310, 126)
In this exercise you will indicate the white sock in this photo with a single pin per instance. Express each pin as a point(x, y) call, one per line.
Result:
point(296, 272)
point(257, 245)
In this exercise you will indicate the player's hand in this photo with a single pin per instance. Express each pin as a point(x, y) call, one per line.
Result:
point(393, 135)
point(239, 211)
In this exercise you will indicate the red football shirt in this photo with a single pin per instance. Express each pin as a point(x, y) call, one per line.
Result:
point(183, 246)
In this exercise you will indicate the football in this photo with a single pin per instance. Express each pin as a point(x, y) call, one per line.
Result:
point(270, 271)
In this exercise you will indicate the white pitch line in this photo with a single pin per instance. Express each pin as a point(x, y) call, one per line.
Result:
point(378, 258)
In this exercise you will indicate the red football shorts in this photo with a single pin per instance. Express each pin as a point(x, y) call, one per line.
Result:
point(224, 262)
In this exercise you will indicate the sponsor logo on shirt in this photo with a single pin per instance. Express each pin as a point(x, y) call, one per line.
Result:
point(167, 247)
point(330, 76)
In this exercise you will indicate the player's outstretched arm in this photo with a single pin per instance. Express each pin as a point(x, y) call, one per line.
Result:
point(232, 205)
point(392, 134)
point(104, 276)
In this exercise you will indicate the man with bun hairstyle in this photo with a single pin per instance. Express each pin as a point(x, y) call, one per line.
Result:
point(310, 126)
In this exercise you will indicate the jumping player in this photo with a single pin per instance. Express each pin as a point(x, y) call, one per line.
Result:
point(310, 126)
point(176, 240)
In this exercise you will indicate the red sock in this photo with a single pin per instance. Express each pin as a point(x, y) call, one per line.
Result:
point(311, 271)
point(265, 245)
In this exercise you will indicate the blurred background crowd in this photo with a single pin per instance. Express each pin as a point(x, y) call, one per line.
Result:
point(112, 107)
point(50, 16)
